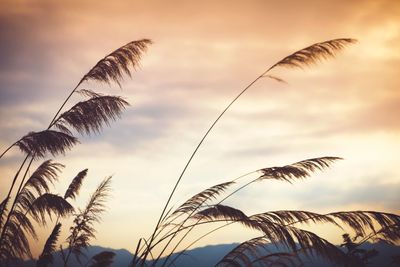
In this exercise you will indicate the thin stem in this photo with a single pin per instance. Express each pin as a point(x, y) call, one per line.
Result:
point(14, 202)
point(365, 239)
point(237, 190)
point(197, 148)
point(11, 188)
point(23, 163)
point(188, 217)
point(136, 253)
point(54, 120)
point(184, 236)
point(8, 148)
point(199, 223)
point(197, 240)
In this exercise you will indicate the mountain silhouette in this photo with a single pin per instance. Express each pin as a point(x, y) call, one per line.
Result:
point(209, 255)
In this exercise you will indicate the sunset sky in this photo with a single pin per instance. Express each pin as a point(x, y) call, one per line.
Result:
point(204, 54)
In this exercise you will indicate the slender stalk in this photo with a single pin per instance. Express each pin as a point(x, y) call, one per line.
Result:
point(216, 229)
point(197, 222)
point(197, 148)
point(197, 240)
point(365, 239)
point(12, 186)
point(23, 163)
point(51, 122)
point(54, 120)
point(136, 253)
point(8, 148)
point(193, 211)
point(14, 202)
point(306, 56)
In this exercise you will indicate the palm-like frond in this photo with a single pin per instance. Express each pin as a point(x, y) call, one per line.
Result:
point(103, 259)
point(277, 228)
point(48, 204)
point(46, 257)
point(289, 217)
point(298, 170)
point(82, 230)
point(112, 67)
point(362, 221)
point(197, 200)
point(15, 243)
point(90, 115)
point(225, 213)
point(32, 201)
point(46, 173)
point(389, 234)
point(294, 238)
point(75, 185)
point(314, 53)
point(37, 144)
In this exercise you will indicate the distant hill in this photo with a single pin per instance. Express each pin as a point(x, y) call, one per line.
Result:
point(209, 255)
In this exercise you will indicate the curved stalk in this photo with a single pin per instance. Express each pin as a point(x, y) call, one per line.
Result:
point(184, 236)
point(197, 148)
point(12, 186)
point(194, 210)
point(15, 201)
point(8, 148)
point(304, 57)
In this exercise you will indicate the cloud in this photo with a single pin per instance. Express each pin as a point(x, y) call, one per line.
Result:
point(204, 53)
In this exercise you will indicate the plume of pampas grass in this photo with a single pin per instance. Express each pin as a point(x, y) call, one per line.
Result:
point(200, 198)
point(75, 185)
point(298, 170)
point(50, 203)
point(32, 201)
point(32, 198)
point(83, 230)
point(89, 116)
point(114, 66)
point(253, 252)
point(46, 257)
point(276, 226)
point(312, 54)
point(37, 144)
point(39, 180)
point(306, 56)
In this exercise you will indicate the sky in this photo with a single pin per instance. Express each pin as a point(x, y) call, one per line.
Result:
point(204, 54)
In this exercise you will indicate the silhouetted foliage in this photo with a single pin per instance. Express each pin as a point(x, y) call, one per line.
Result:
point(83, 229)
point(46, 257)
point(33, 199)
point(90, 115)
point(37, 144)
point(113, 67)
point(75, 185)
point(276, 227)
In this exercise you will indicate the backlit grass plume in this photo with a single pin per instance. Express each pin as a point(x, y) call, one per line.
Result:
point(280, 228)
point(32, 199)
point(303, 57)
point(32, 204)
point(90, 115)
point(75, 185)
point(114, 66)
point(38, 144)
point(83, 229)
point(46, 257)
